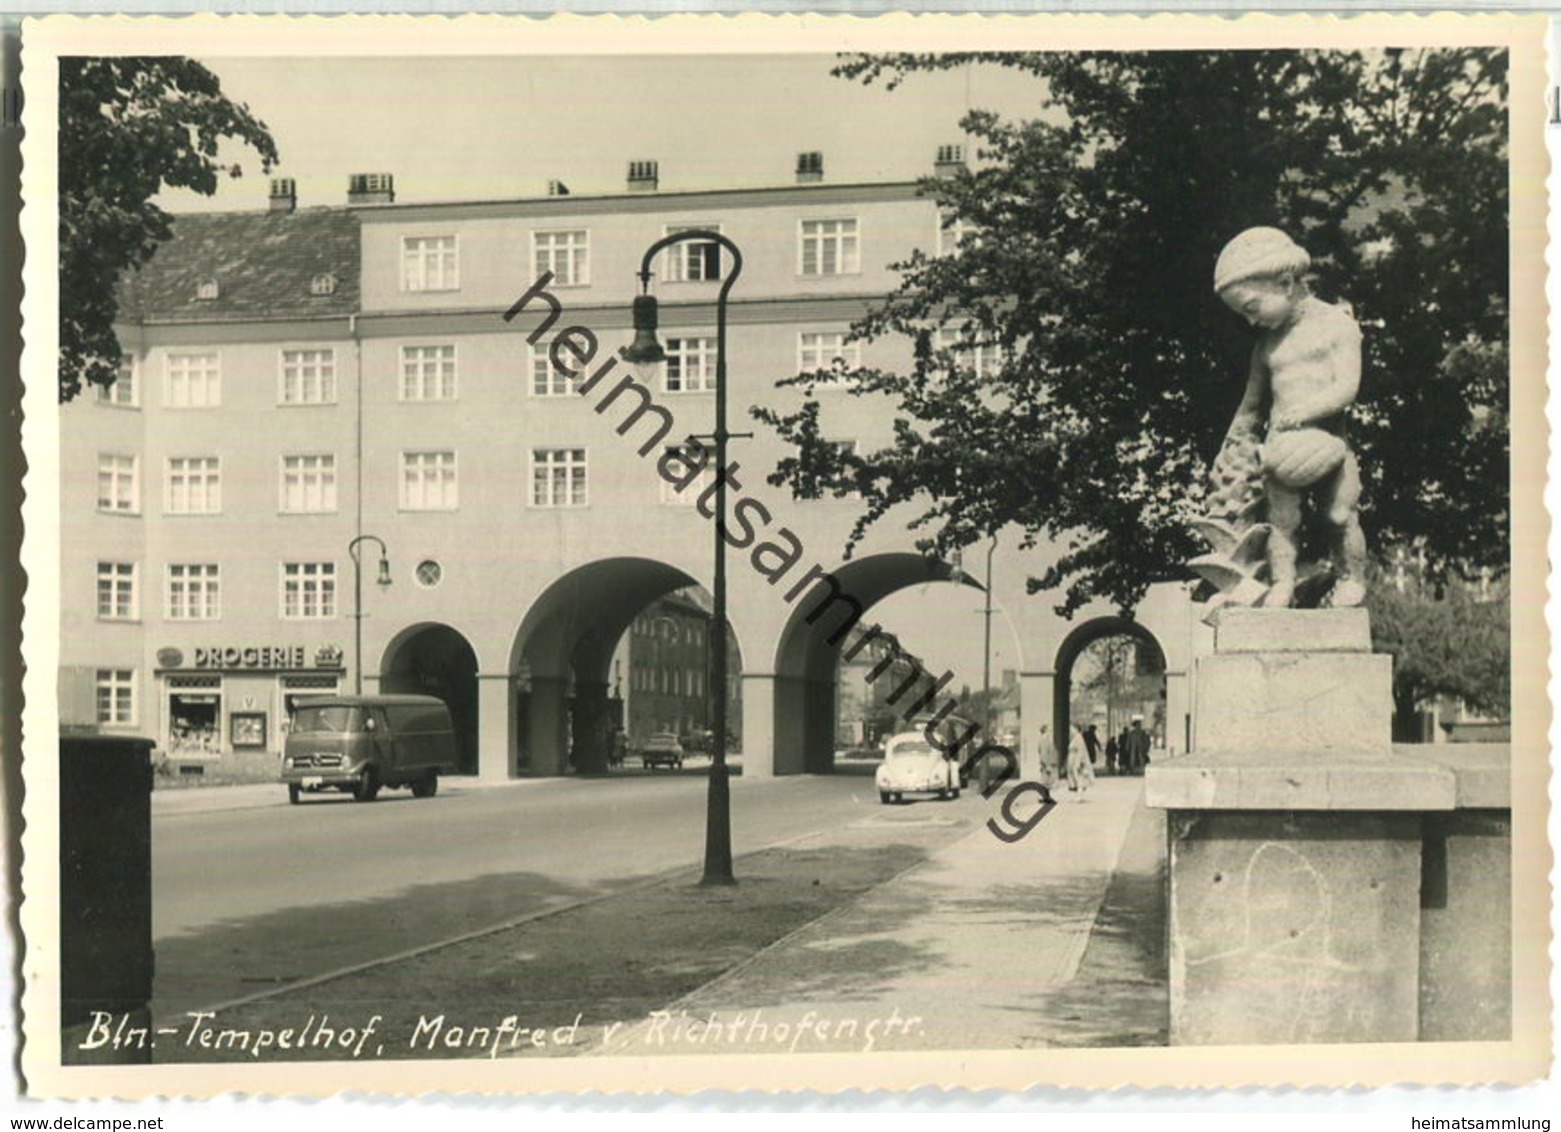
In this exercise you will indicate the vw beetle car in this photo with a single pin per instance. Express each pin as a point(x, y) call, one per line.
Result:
point(911, 765)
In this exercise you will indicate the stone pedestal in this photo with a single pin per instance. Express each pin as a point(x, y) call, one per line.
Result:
point(1299, 842)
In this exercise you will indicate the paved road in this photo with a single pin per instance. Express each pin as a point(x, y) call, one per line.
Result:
point(251, 893)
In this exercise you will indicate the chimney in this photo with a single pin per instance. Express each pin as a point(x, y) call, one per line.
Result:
point(810, 168)
point(644, 176)
point(284, 194)
point(371, 188)
point(951, 160)
point(557, 189)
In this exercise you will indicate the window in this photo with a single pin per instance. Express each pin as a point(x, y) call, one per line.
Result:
point(308, 377)
point(428, 573)
point(123, 392)
point(843, 448)
point(690, 365)
point(207, 290)
point(308, 590)
point(987, 359)
point(691, 261)
point(566, 254)
point(115, 689)
point(194, 486)
point(827, 352)
point(117, 591)
point(547, 380)
point(558, 477)
point(954, 230)
point(829, 247)
point(323, 284)
point(690, 495)
point(194, 592)
point(428, 481)
point(428, 373)
point(308, 484)
point(192, 381)
point(119, 487)
point(429, 263)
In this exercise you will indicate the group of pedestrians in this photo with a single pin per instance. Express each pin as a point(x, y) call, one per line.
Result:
point(1126, 754)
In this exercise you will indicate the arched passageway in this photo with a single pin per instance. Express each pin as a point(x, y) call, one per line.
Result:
point(1109, 670)
point(828, 623)
point(562, 661)
point(436, 660)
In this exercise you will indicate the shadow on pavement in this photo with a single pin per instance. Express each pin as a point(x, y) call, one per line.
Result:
point(609, 961)
point(1121, 995)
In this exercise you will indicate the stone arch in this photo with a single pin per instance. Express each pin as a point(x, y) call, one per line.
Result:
point(433, 659)
point(817, 633)
point(1068, 652)
point(562, 655)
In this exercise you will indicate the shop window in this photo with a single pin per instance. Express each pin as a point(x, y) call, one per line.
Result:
point(194, 716)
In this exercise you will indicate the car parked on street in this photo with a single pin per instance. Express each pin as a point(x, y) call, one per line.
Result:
point(662, 749)
point(911, 765)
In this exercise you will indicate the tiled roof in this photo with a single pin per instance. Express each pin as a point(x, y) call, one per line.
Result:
point(263, 263)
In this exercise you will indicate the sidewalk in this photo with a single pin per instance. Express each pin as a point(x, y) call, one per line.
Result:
point(1055, 940)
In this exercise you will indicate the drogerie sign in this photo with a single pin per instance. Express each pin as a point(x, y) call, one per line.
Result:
point(263, 656)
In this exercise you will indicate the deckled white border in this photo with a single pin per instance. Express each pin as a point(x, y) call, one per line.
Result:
point(230, 36)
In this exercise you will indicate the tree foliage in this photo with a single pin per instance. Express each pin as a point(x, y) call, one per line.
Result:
point(1096, 227)
point(1446, 640)
point(129, 128)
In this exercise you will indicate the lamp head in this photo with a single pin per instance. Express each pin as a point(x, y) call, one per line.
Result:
point(383, 581)
point(645, 352)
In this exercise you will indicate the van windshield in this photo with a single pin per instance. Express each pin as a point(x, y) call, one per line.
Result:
point(335, 720)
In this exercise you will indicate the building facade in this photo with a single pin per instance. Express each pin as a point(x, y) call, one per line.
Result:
point(307, 391)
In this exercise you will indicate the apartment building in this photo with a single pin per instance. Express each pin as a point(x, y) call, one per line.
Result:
point(331, 461)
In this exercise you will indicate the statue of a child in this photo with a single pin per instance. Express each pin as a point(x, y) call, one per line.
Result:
point(1305, 374)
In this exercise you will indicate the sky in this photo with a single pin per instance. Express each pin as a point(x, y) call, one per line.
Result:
point(490, 128)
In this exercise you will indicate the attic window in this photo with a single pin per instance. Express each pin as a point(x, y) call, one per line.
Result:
point(323, 284)
point(206, 290)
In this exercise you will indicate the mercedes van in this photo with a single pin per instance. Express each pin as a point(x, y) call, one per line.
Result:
point(359, 744)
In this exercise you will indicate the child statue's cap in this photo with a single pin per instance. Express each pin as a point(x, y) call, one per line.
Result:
point(1258, 251)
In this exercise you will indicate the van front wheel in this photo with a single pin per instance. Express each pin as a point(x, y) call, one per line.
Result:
point(368, 786)
point(427, 786)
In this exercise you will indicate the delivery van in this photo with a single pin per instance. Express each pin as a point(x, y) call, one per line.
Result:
point(360, 744)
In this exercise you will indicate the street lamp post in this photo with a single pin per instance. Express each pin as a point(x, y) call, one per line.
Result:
point(383, 581)
point(646, 351)
point(986, 647)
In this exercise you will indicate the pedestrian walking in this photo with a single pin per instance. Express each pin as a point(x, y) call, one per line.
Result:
point(1092, 744)
point(1052, 766)
point(1137, 746)
point(1081, 773)
point(1111, 754)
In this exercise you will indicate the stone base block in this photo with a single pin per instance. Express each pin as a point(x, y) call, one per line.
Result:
point(1466, 927)
point(1292, 630)
point(1269, 780)
point(1304, 702)
point(1294, 928)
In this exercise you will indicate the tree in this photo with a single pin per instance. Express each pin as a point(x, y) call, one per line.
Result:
point(1088, 275)
point(1446, 639)
point(129, 128)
